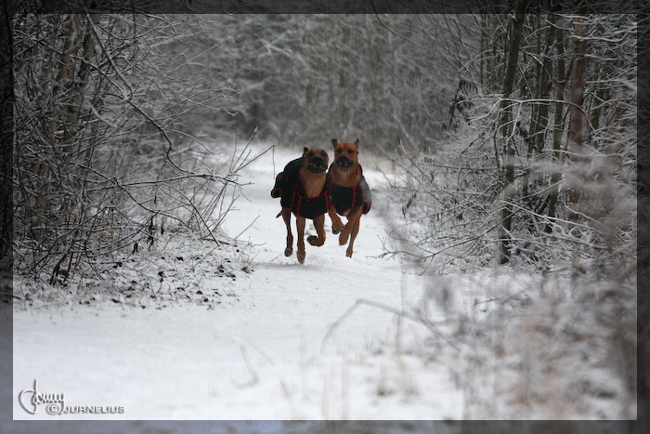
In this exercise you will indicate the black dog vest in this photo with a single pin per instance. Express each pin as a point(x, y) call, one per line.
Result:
point(346, 198)
point(288, 187)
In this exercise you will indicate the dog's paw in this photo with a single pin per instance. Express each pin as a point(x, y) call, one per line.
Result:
point(348, 252)
point(288, 252)
point(314, 241)
point(301, 256)
point(337, 226)
point(343, 238)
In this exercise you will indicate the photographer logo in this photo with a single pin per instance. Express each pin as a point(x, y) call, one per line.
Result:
point(31, 399)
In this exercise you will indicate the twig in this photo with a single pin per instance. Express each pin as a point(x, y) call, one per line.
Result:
point(198, 213)
point(247, 228)
point(400, 313)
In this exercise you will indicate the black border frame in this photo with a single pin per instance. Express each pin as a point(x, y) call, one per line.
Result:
point(13, 7)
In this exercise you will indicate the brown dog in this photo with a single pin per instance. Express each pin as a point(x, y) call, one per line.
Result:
point(349, 192)
point(304, 191)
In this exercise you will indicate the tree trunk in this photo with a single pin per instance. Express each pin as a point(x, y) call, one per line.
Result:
point(540, 120)
point(536, 137)
point(332, 70)
point(78, 89)
point(507, 134)
point(577, 117)
point(56, 110)
point(493, 58)
point(66, 67)
point(558, 129)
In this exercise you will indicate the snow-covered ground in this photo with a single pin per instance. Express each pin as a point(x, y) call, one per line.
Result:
point(239, 332)
point(266, 350)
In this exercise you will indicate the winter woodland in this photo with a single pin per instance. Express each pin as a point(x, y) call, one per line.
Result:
point(495, 277)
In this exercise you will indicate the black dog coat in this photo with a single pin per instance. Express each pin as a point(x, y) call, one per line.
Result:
point(346, 198)
point(288, 187)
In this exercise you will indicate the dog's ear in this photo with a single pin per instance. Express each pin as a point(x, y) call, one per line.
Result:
point(335, 142)
point(356, 143)
point(304, 151)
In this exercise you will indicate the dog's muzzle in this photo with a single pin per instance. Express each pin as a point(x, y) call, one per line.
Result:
point(344, 162)
point(317, 165)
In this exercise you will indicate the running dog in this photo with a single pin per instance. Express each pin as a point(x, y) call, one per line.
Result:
point(303, 190)
point(350, 195)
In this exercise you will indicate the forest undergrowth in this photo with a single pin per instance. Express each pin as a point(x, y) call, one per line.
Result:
point(551, 333)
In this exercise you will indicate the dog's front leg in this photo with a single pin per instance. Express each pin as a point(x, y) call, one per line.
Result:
point(353, 236)
point(319, 224)
point(337, 224)
point(353, 216)
point(300, 228)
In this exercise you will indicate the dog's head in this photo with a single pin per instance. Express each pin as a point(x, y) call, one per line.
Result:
point(345, 154)
point(315, 160)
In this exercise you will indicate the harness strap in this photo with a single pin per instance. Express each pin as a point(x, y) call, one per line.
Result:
point(346, 198)
point(310, 206)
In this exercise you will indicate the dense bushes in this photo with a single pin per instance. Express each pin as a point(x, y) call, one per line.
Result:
point(105, 146)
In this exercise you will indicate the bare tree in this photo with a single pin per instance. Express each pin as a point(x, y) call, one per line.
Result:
point(576, 110)
point(507, 133)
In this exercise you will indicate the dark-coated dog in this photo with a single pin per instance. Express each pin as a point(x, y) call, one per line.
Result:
point(349, 192)
point(304, 192)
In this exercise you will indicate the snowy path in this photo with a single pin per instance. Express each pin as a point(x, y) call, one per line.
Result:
point(260, 358)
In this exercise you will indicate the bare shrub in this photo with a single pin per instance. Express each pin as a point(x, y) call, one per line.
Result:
point(105, 155)
point(564, 343)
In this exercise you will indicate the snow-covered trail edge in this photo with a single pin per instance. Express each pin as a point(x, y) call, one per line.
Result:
point(263, 357)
